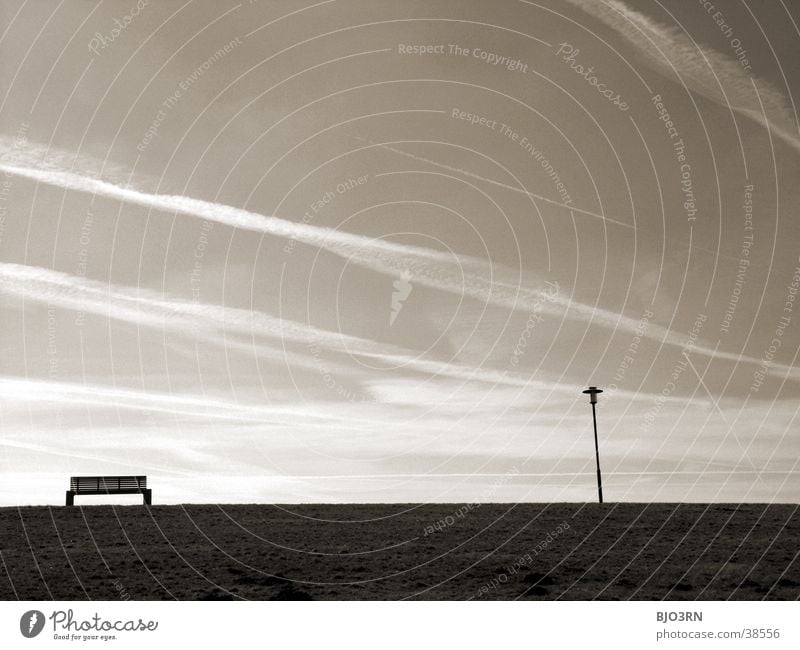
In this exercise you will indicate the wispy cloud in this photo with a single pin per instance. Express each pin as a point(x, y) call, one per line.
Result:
point(145, 307)
point(16, 390)
point(69, 451)
point(460, 275)
point(705, 71)
point(218, 324)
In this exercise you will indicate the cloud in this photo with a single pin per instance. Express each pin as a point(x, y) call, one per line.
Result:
point(217, 324)
point(460, 275)
point(16, 391)
point(67, 450)
point(703, 70)
point(147, 308)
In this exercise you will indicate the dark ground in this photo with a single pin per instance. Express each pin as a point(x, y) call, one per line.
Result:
point(492, 551)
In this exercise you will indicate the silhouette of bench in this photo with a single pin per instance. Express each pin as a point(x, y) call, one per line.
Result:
point(108, 485)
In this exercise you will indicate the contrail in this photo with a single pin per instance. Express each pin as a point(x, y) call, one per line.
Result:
point(144, 307)
point(19, 390)
point(147, 308)
point(113, 459)
point(520, 190)
point(459, 275)
point(705, 71)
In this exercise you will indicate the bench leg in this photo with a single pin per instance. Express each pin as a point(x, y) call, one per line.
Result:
point(148, 497)
point(70, 498)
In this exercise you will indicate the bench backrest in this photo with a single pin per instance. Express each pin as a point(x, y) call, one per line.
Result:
point(106, 483)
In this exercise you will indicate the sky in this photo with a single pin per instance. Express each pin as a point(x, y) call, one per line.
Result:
point(346, 251)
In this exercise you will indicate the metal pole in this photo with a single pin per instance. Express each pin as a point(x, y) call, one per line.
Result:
point(592, 392)
point(597, 457)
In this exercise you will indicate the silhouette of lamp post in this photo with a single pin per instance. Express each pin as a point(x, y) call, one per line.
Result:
point(592, 392)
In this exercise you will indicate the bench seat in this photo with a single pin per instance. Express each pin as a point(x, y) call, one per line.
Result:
point(90, 485)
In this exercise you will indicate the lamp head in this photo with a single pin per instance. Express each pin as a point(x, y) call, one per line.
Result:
point(592, 392)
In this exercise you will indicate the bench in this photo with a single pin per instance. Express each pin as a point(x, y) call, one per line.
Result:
point(108, 485)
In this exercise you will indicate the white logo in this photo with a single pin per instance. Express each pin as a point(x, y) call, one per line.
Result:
point(402, 289)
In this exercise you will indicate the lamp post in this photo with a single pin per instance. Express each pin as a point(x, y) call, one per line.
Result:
point(592, 392)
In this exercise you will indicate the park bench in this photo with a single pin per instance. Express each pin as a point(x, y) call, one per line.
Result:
point(108, 485)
